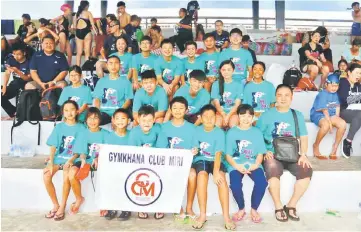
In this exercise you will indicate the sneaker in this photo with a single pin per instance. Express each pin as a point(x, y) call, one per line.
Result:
point(346, 148)
point(124, 215)
point(110, 214)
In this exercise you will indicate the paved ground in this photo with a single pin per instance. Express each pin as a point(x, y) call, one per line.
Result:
point(34, 221)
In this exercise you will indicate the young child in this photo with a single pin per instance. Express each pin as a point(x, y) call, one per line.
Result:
point(147, 134)
point(259, 93)
point(150, 94)
point(190, 63)
point(226, 96)
point(245, 44)
point(244, 153)
point(62, 156)
point(325, 113)
point(179, 136)
point(241, 57)
point(195, 95)
point(168, 69)
point(210, 60)
point(342, 68)
point(210, 142)
point(112, 92)
point(157, 37)
point(142, 61)
point(77, 92)
point(125, 57)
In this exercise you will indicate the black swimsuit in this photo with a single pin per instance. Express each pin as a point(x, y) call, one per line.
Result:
point(65, 27)
point(81, 33)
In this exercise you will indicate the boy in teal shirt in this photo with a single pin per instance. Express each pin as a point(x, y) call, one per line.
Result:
point(241, 57)
point(150, 94)
point(210, 142)
point(191, 62)
point(112, 92)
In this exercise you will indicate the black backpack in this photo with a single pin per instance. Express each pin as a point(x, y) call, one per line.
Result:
point(291, 77)
point(27, 109)
point(89, 65)
point(49, 108)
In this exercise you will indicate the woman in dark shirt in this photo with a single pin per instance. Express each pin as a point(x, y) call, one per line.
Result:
point(184, 30)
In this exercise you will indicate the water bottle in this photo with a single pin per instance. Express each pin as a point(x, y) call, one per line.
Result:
point(28, 151)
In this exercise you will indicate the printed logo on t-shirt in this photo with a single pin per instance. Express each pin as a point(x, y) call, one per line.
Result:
point(210, 66)
point(190, 110)
point(109, 96)
point(280, 129)
point(238, 66)
point(227, 98)
point(142, 68)
point(66, 146)
point(74, 98)
point(203, 146)
point(187, 73)
point(258, 101)
point(93, 150)
point(122, 68)
point(242, 149)
point(173, 142)
point(167, 75)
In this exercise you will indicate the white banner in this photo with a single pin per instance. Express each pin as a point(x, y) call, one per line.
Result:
point(142, 179)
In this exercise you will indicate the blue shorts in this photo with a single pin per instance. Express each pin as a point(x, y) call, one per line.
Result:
point(317, 118)
point(356, 29)
point(204, 165)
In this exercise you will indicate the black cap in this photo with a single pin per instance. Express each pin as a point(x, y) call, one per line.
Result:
point(26, 16)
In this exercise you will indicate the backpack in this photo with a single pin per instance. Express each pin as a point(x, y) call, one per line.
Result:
point(49, 108)
point(27, 109)
point(306, 84)
point(291, 77)
point(91, 80)
point(89, 65)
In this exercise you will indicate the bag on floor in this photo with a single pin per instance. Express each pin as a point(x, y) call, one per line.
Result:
point(291, 77)
point(49, 108)
point(306, 84)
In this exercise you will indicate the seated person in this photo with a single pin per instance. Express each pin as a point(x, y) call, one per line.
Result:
point(23, 30)
point(112, 91)
point(103, 26)
point(125, 57)
point(325, 113)
point(156, 34)
point(210, 142)
point(48, 67)
point(191, 62)
point(199, 33)
point(342, 68)
point(222, 37)
point(184, 30)
point(131, 30)
point(352, 54)
point(34, 37)
point(153, 24)
point(18, 66)
point(195, 95)
point(245, 44)
point(150, 94)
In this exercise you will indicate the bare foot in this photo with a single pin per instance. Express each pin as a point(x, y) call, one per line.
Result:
point(52, 212)
point(256, 218)
point(190, 212)
point(333, 155)
point(239, 215)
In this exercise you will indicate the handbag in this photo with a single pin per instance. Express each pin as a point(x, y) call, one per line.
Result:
point(287, 148)
point(83, 172)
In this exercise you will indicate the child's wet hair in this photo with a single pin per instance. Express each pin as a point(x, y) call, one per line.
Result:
point(244, 109)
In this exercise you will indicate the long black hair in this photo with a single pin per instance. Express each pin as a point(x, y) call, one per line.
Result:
point(74, 104)
point(221, 79)
point(81, 7)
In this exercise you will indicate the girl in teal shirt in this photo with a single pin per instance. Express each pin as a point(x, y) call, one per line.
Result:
point(125, 58)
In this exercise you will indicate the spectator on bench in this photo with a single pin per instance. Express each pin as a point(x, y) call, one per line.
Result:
point(342, 68)
point(18, 66)
point(222, 37)
point(184, 30)
point(156, 34)
point(245, 44)
point(123, 16)
point(352, 54)
point(48, 67)
point(23, 30)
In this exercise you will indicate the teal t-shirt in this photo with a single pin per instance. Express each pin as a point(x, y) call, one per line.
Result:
point(210, 63)
point(244, 146)
point(112, 93)
point(259, 96)
point(158, 100)
point(153, 139)
point(63, 137)
point(125, 63)
point(141, 63)
point(241, 58)
point(274, 124)
point(81, 95)
point(114, 139)
point(89, 144)
point(178, 137)
point(232, 92)
point(168, 70)
point(196, 103)
point(189, 67)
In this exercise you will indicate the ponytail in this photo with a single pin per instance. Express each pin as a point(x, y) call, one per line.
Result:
point(221, 79)
point(81, 7)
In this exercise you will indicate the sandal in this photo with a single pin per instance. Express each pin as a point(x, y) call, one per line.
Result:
point(110, 214)
point(321, 157)
point(287, 210)
point(50, 215)
point(236, 218)
point(124, 216)
point(256, 220)
point(59, 217)
point(180, 218)
point(230, 226)
point(198, 225)
point(156, 216)
point(190, 218)
point(333, 157)
point(73, 209)
point(282, 215)
point(145, 216)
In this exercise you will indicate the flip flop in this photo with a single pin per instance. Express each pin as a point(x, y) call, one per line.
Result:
point(235, 218)
point(321, 157)
point(230, 226)
point(181, 218)
point(144, 217)
point(59, 217)
point(333, 157)
point(73, 209)
point(198, 225)
point(190, 218)
point(287, 210)
point(282, 215)
point(158, 218)
point(254, 220)
point(50, 215)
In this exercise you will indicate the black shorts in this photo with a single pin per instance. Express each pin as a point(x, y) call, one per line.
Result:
point(203, 165)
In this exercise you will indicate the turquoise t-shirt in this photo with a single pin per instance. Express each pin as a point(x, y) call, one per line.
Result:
point(189, 67)
point(232, 92)
point(178, 137)
point(114, 139)
point(81, 95)
point(168, 70)
point(241, 58)
point(158, 100)
point(112, 93)
point(141, 63)
point(324, 100)
point(194, 104)
point(274, 124)
point(259, 96)
point(208, 143)
point(63, 137)
point(210, 63)
point(244, 146)
point(89, 144)
point(125, 63)
point(153, 139)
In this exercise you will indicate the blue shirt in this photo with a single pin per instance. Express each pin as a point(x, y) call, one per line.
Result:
point(325, 100)
point(244, 146)
point(48, 67)
point(81, 95)
point(211, 63)
point(63, 137)
point(196, 103)
point(125, 63)
point(189, 67)
point(208, 143)
point(259, 95)
point(232, 92)
point(114, 139)
point(274, 124)
point(141, 63)
point(158, 100)
point(168, 70)
point(112, 93)
point(242, 60)
point(178, 137)
point(23, 67)
point(153, 139)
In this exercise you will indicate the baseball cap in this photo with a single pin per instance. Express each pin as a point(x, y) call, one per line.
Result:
point(26, 16)
point(333, 79)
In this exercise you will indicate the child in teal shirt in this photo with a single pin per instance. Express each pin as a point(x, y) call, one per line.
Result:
point(125, 58)
point(191, 62)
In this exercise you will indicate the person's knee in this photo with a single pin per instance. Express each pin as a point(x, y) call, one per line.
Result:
point(273, 169)
point(325, 69)
point(341, 124)
point(192, 175)
point(47, 175)
point(72, 174)
point(304, 172)
point(314, 70)
point(324, 125)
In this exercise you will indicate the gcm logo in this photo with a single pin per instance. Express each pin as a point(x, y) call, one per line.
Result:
point(141, 185)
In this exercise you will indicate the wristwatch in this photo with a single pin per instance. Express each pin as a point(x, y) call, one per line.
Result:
point(54, 82)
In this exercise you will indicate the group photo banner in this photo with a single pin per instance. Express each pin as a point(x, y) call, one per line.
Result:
point(142, 179)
